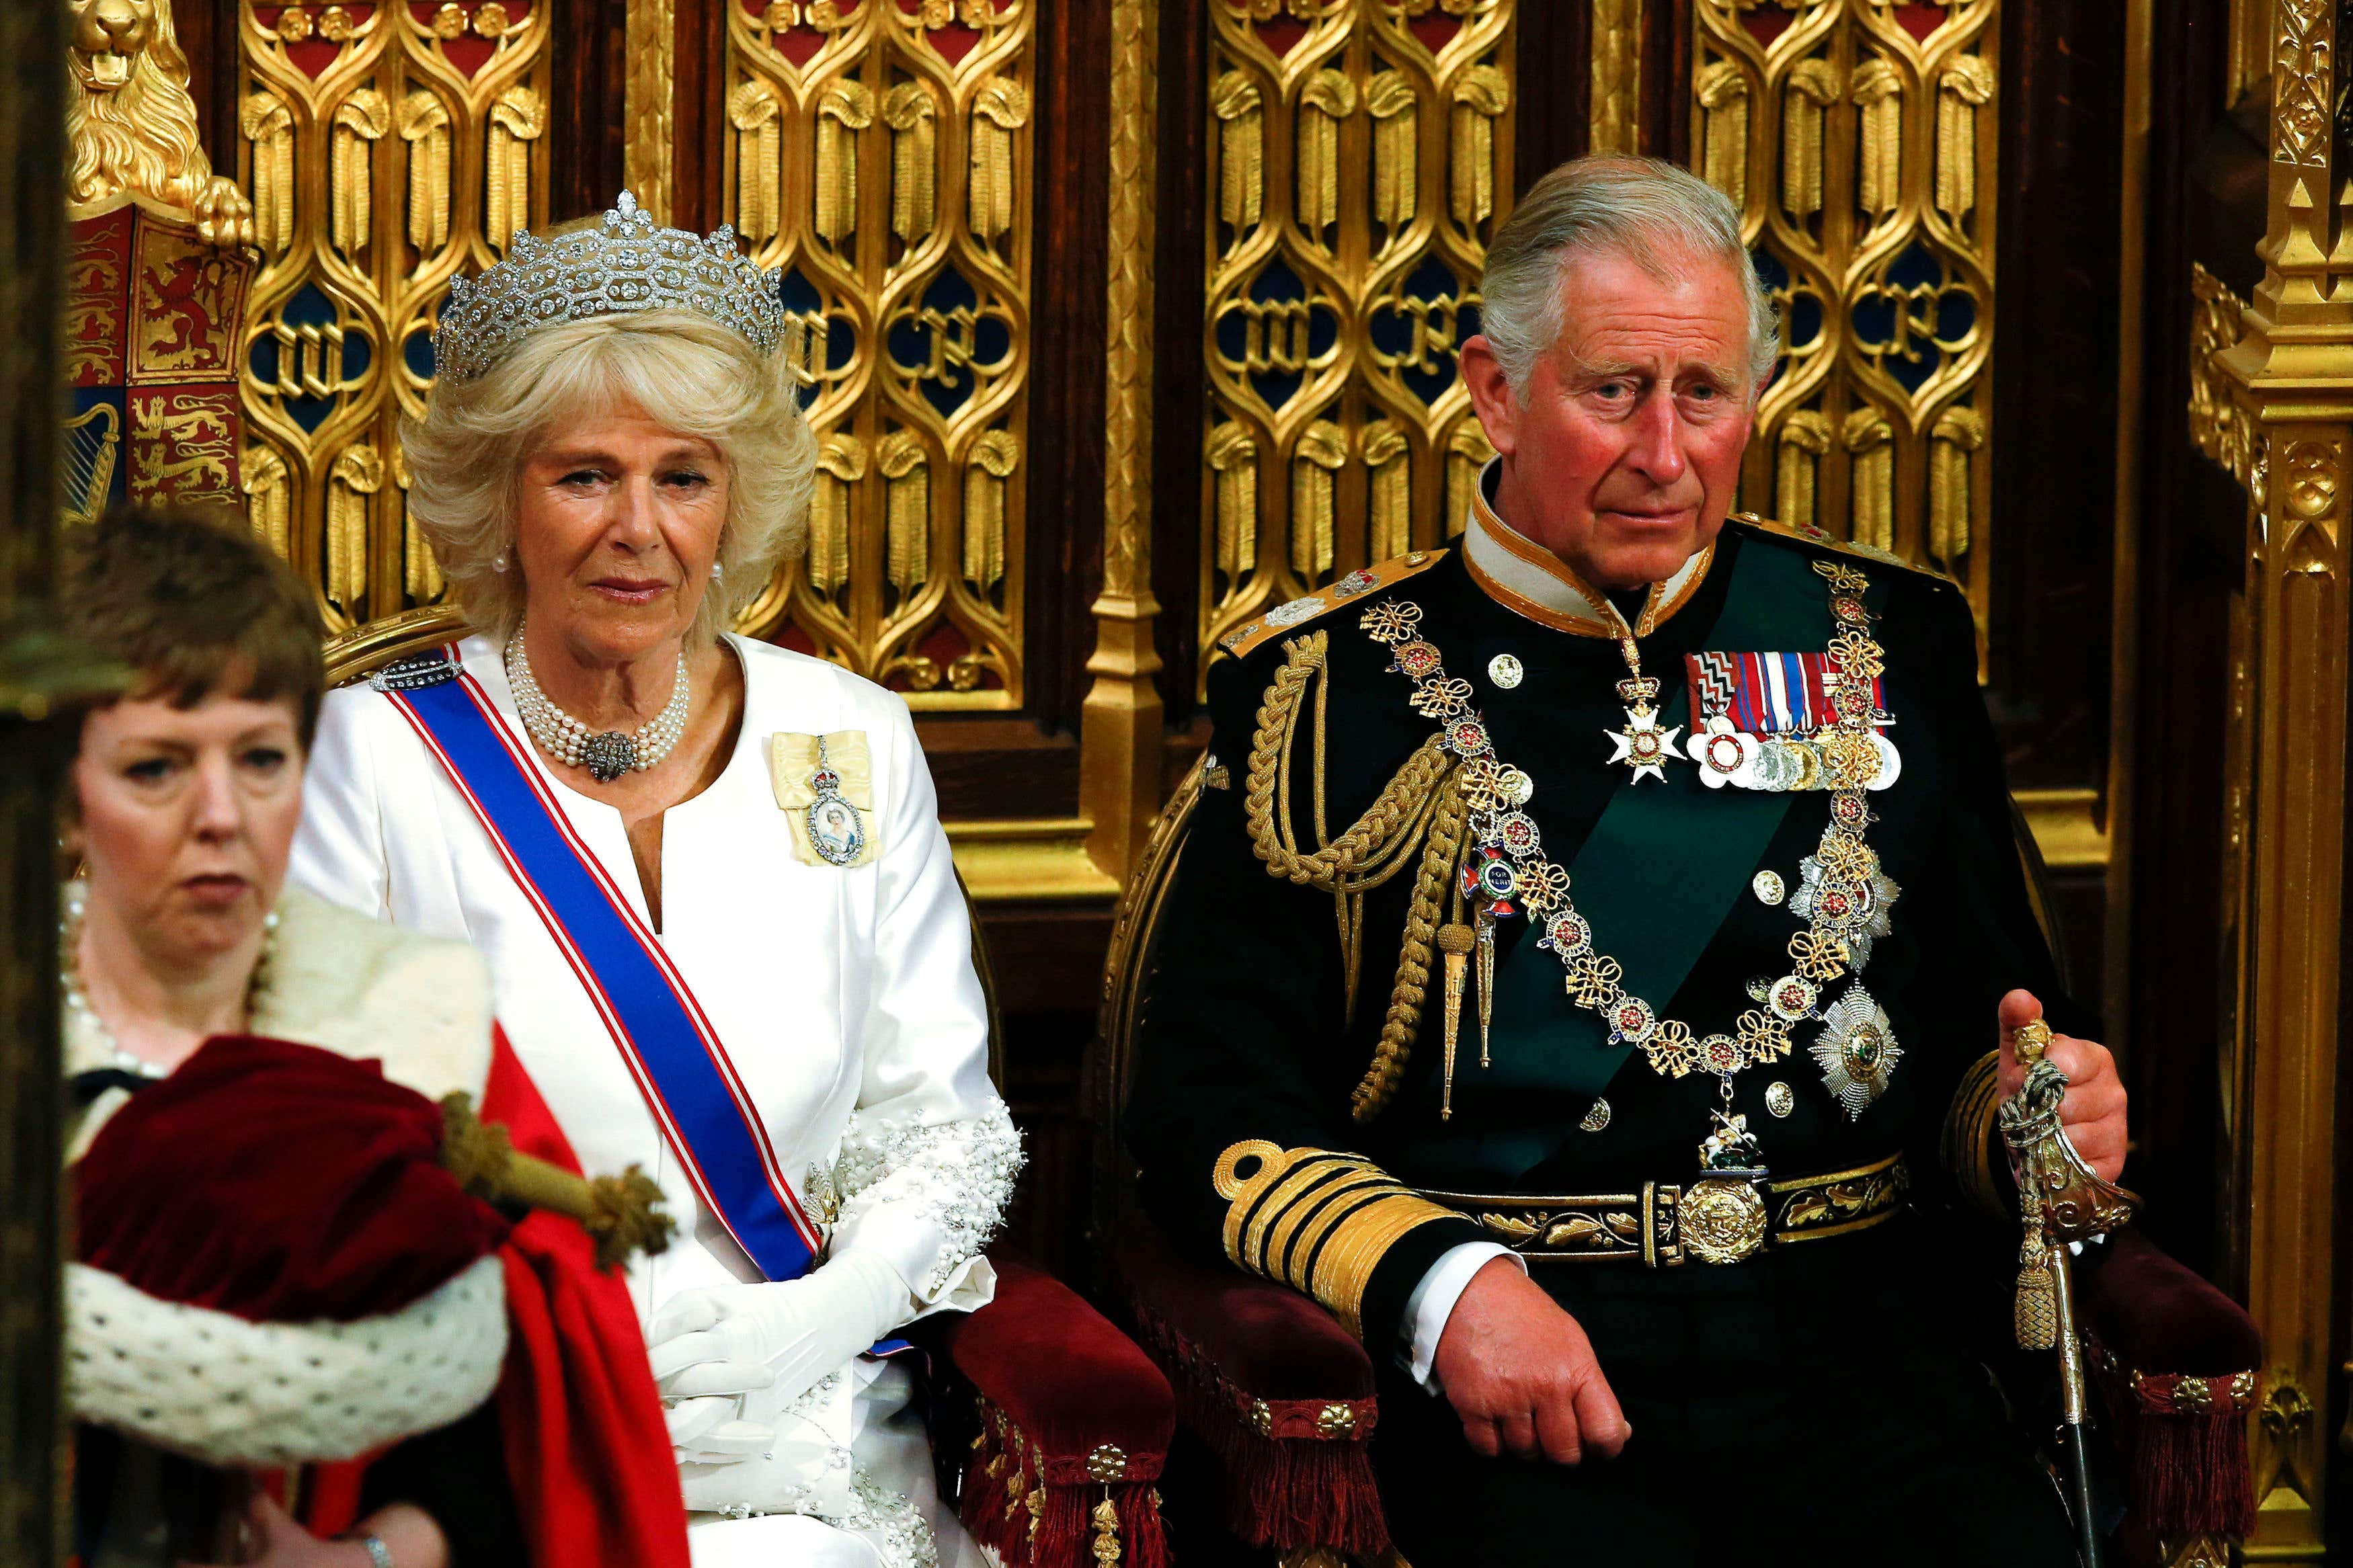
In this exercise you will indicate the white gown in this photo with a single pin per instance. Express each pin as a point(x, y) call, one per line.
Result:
point(845, 998)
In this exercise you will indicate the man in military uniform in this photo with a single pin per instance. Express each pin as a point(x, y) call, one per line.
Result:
point(1587, 940)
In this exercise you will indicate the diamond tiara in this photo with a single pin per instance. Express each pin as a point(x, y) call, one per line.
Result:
point(627, 265)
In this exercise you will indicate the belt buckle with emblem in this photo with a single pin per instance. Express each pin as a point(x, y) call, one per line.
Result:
point(1721, 1217)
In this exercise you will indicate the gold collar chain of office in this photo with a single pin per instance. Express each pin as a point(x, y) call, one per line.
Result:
point(1514, 867)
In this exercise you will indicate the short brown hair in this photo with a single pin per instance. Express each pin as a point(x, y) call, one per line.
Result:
point(194, 603)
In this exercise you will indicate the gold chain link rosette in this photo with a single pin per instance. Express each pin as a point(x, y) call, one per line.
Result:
point(1857, 1048)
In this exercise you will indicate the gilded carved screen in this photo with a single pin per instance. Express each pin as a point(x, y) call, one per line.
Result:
point(385, 147)
point(878, 152)
point(1858, 138)
point(1361, 157)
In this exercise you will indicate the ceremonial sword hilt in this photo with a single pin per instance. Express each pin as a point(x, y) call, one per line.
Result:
point(2061, 1200)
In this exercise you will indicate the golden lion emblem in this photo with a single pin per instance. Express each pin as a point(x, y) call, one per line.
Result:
point(133, 126)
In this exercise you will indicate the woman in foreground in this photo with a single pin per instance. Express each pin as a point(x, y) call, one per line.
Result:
point(275, 1271)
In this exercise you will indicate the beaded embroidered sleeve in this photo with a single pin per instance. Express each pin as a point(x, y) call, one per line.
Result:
point(957, 1176)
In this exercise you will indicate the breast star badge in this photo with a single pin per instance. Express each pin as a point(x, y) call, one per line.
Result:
point(1856, 1050)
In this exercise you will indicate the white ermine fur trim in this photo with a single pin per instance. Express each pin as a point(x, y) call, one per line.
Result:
point(363, 988)
point(236, 1393)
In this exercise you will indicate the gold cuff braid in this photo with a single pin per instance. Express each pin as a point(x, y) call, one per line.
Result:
point(1969, 1142)
point(1317, 1221)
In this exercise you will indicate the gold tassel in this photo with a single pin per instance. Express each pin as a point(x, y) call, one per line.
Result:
point(1233, 457)
point(1240, 151)
point(909, 111)
point(1813, 86)
point(754, 110)
point(994, 457)
point(907, 510)
point(1386, 455)
point(517, 119)
point(357, 474)
point(1722, 92)
point(845, 107)
point(1106, 1546)
point(2037, 1309)
point(363, 118)
point(1455, 941)
point(1396, 130)
point(424, 126)
point(1000, 109)
point(1328, 99)
point(1482, 94)
point(1323, 452)
point(621, 1213)
point(268, 124)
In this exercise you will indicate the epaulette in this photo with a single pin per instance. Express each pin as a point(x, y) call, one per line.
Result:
point(430, 668)
point(1250, 634)
point(1808, 534)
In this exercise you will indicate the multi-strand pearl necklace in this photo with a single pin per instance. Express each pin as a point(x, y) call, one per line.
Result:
point(606, 754)
point(76, 1000)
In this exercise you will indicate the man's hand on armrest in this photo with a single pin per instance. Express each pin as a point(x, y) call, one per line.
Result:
point(1522, 1375)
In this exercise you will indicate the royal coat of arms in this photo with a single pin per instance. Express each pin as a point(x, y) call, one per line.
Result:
point(157, 275)
point(153, 327)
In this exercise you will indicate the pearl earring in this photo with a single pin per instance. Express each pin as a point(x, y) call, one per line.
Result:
point(499, 564)
point(718, 573)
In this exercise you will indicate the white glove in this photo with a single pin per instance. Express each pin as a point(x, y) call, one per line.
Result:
point(709, 1431)
point(781, 1337)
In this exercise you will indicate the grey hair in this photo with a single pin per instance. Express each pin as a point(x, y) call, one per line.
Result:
point(1646, 210)
point(687, 373)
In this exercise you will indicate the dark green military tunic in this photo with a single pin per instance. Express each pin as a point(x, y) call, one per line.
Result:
point(1815, 1395)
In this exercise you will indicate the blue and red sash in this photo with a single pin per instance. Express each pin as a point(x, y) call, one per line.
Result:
point(671, 1050)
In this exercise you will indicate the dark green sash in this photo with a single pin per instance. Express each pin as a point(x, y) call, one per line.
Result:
point(1662, 870)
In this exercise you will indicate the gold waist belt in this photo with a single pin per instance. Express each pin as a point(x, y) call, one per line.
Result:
point(1716, 1219)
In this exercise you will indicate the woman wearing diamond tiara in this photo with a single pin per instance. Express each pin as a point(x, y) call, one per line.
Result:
point(709, 873)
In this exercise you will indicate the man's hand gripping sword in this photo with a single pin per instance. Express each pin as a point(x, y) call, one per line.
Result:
point(2060, 1201)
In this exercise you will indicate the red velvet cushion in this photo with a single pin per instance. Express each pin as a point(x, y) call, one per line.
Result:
point(1062, 1372)
point(2158, 1316)
point(1266, 1339)
point(278, 1181)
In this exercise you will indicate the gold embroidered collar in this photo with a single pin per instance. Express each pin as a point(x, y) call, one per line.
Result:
point(1524, 578)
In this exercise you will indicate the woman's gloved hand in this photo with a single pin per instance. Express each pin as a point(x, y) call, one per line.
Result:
point(709, 1431)
point(781, 1337)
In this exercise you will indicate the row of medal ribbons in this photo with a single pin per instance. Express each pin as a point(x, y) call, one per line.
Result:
point(1759, 713)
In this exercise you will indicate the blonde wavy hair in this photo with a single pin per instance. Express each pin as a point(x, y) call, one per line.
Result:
point(687, 373)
